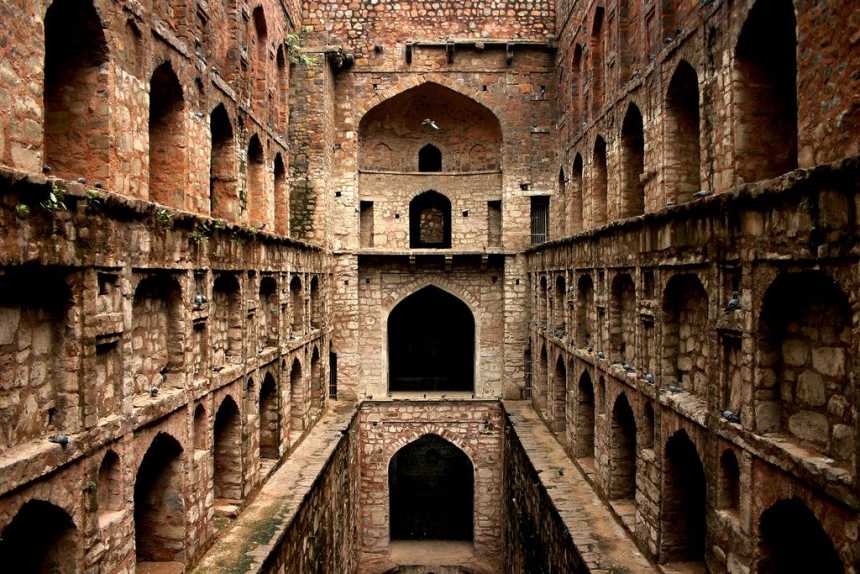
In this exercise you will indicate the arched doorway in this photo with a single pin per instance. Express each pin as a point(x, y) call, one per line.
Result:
point(297, 401)
point(585, 414)
point(159, 509)
point(792, 540)
point(430, 221)
point(270, 422)
point(431, 491)
point(228, 451)
point(622, 451)
point(683, 523)
point(41, 538)
point(431, 343)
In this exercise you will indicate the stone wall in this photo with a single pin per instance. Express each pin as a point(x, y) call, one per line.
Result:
point(734, 298)
point(383, 283)
point(140, 86)
point(536, 538)
point(717, 105)
point(116, 328)
point(323, 534)
point(473, 427)
point(397, 23)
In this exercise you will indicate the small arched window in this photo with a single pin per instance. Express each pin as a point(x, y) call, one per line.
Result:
point(430, 221)
point(429, 158)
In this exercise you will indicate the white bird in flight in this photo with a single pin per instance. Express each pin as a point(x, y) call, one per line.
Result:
point(431, 123)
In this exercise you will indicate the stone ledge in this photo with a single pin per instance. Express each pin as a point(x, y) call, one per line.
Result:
point(600, 540)
point(257, 532)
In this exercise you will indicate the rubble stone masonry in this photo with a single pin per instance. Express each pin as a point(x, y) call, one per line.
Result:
point(603, 254)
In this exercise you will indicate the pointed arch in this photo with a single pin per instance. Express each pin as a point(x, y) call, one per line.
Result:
point(683, 524)
point(282, 196)
point(317, 388)
point(76, 104)
point(255, 181)
point(297, 401)
point(766, 71)
point(682, 134)
point(622, 451)
point(41, 537)
point(227, 475)
point(429, 114)
point(430, 221)
point(791, 539)
point(577, 223)
point(168, 170)
point(586, 407)
point(432, 501)
point(109, 484)
point(559, 385)
point(599, 185)
point(270, 419)
point(429, 158)
point(597, 41)
point(223, 168)
point(632, 163)
point(431, 343)
point(159, 507)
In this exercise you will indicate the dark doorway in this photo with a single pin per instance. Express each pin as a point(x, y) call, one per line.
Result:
point(228, 451)
point(431, 486)
point(684, 502)
point(430, 221)
point(792, 540)
point(41, 538)
point(159, 508)
point(431, 340)
point(429, 158)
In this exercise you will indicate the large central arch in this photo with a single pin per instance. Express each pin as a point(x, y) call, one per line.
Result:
point(431, 487)
point(459, 132)
point(431, 343)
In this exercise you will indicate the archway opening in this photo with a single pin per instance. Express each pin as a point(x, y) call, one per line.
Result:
point(765, 87)
point(297, 401)
point(270, 423)
point(632, 163)
point(429, 158)
point(222, 166)
point(159, 508)
point(431, 490)
point(317, 396)
point(599, 183)
point(167, 145)
point(228, 451)
point(41, 538)
point(683, 523)
point(75, 95)
point(622, 452)
point(682, 134)
point(792, 540)
point(430, 221)
point(559, 385)
point(413, 127)
point(431, 341)
point(585, 412)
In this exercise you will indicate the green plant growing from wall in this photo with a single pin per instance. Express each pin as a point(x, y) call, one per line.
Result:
point(22, 210)
point(163, 218)
point(56, 200)
point(200, 233)
point(94, 200)
point(293, 42)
